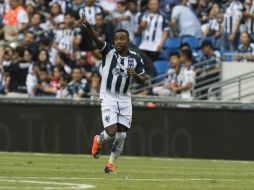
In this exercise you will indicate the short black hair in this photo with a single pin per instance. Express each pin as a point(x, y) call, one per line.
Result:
point(20, 51)
point(123, 3)
point(124, 31)
point(187, 53)
point(77, 67)
point(66, 78)
point(206, 43)
point(100, 14)
point(184, 44)
point(174, 53)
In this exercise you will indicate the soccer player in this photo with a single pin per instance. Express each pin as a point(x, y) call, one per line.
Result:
point(119, 67)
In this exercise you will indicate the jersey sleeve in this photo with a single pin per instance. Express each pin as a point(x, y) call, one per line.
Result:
point(140, 66)
point(106, 48)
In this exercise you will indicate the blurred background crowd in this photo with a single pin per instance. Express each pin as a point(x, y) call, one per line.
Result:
point(44, 52)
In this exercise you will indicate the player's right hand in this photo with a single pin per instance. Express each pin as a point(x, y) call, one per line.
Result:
point(83, 20)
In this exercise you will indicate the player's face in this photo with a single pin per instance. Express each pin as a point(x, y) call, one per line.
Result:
point(121, 41)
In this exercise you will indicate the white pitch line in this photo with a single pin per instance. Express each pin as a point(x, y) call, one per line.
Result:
point(124, 179)
point(68, 185)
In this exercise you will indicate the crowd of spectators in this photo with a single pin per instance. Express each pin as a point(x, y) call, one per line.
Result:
point(45, 52)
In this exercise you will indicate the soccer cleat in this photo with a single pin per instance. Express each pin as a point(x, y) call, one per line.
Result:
point(110, 169)
point(96, 148)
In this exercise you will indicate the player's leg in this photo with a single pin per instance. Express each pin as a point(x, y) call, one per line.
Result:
point(109, 119)
point(117, 148)
point(124, 124)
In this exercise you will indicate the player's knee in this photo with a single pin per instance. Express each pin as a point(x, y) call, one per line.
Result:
point(111, 131)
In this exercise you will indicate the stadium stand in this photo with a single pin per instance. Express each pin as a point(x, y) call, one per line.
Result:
point(40, 36)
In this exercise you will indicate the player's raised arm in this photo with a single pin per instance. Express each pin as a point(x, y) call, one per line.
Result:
point(94, 35)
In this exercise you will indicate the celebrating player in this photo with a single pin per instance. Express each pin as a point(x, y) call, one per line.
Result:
point(119, 67)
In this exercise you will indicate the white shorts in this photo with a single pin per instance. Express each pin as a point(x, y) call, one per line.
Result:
point(114, 112)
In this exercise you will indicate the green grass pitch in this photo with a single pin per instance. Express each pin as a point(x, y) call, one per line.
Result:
point(22, 171)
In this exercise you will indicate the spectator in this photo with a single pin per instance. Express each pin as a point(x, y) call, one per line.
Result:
point(246, 47)
point(209, 71)
point(122, 18)
point(15, 21)
point(186, 46)
point(231, 24)
point(95, 83)
point(185, 22)
point(30, 8)
point(29, 42)
point(62, 59)
point(105, 29)
point(90, 10)
point(54, 84)
point(43, 84)
point(18, 71)
point(154, 31)
point(43, 60)
point(32, 80)
point(135, 22)
point(165, 89)
point(248, 15)
point(185, 80)
point(66, 5)
point(213, 27)
point(62, 92)
point(8, 55)
point(65, 36)
point(78, 87)
point(35, 26)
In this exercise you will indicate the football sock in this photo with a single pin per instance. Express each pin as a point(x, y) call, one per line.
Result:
point(117, 147)
point(104, 137)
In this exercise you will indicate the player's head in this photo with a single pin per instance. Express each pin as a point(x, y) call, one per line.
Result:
point(174, 59)
point(122, 40)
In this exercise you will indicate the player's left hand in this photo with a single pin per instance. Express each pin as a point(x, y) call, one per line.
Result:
point(131, 72)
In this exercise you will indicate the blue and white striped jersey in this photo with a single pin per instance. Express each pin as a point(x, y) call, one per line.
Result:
point(115, 79)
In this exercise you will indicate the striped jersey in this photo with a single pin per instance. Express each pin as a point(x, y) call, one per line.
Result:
point(232, 15)
point(90, 13)
point(65, 39)
point(152, 35)
point(115, 79)
point(249, 22)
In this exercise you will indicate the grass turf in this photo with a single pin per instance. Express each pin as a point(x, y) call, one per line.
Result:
point(51, 171)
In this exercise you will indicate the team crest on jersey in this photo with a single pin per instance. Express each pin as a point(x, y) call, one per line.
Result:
point(107, 118)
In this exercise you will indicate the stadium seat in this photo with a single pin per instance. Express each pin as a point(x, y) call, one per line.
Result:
point(173, 43)
point(162, 67)
point(192, 41)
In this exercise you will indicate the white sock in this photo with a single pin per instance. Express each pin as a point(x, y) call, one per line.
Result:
point(104, 137)
point(117, 147)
